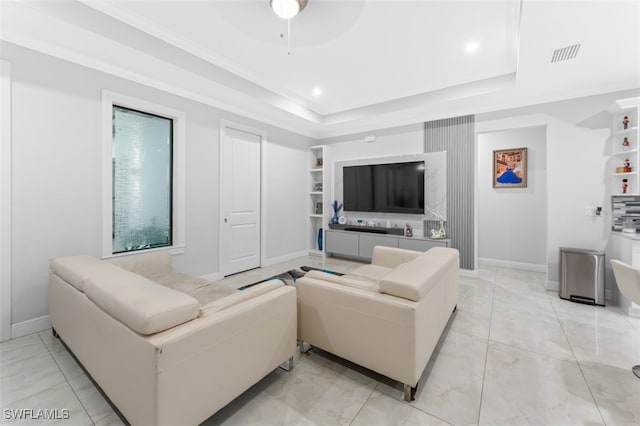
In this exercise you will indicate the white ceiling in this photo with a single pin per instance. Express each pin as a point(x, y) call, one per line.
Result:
point(378, 63)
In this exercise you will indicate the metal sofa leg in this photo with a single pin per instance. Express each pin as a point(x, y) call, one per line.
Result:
point(410, 392)
point(287, 365)
point(304, 347)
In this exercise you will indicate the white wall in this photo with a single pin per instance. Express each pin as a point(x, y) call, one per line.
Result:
point(391, 142)
point(513, 221)
point(56, 174)
point(577, 175)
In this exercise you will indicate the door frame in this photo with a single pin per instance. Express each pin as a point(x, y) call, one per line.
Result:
point(224, 124)
point(5, 201)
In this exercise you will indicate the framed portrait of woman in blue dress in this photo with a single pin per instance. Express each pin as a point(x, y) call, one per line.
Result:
point(510, 168)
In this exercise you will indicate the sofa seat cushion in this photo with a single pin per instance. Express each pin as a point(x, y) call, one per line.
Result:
point(346, 280)
point(240, 296)
point(371, 272)
point(414, 279)
point(141, 304)
point(200, 289)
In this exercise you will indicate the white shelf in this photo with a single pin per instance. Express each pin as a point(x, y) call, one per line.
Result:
point(317, 177)
point(625, 107)
point(626, 131)
point(627, 152)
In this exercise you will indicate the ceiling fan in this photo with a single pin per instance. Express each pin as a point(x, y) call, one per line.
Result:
point(287, 9)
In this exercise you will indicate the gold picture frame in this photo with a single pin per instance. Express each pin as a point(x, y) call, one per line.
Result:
point(510, 168)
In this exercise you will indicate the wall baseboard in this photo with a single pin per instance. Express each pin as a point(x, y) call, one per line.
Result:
point(214, 276)
point(471, 273)
point(31, 326)
point(284, 258)
point(534, 267)
point(553, 286)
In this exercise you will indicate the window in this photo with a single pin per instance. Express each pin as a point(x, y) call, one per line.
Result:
point(141, 180)
point(143, 176)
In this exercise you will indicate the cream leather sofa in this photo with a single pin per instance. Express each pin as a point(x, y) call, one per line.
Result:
point(167, 348)
point(386, 316)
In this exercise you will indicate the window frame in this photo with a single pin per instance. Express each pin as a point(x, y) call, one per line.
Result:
point(109, 100)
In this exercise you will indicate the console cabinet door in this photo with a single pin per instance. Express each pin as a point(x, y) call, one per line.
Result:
point(341, 243)
point(368, 242)
point(420, 245)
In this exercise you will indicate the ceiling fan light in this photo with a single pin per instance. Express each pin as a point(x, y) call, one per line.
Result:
point(286, 9)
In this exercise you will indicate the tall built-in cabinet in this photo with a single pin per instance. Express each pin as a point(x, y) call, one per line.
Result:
point(319, 193)
point(625, 138)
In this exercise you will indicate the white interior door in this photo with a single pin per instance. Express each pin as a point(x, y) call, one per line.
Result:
point(240, 201)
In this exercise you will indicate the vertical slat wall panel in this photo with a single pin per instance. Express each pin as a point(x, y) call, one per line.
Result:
point(457, 137)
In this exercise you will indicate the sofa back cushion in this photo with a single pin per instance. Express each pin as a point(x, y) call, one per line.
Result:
point(413, 279)
point(355, 281)
point(76, 269)
point(141, 304)
point(148, 264)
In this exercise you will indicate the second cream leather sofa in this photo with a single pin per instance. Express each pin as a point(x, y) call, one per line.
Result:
point(167, 348)
point(387, 316)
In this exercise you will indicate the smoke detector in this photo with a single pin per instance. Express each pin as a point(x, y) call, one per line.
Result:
point(565, 53)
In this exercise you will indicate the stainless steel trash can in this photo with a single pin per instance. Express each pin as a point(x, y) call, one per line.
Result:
point(582, 275)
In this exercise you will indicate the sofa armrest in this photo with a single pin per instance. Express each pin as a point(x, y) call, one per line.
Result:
point(217, 357)
point(392, 257)
point(414, 279)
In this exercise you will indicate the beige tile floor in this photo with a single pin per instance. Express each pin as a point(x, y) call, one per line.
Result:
point(512, 354)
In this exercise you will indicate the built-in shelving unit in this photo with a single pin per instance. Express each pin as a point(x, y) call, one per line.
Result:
point(626, 151)
point(318, 189)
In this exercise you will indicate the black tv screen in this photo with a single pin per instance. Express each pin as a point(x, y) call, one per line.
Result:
point(384, 188)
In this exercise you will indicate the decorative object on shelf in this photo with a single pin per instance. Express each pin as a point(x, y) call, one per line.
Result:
point(510, 168)
point(318, 208)
point(627, 165)
point(336, 210)
point(320, 239)
point(435, 233)
point(317, 187)
point(408, 231)
point(318, 161)
point(342, 220)
point(625, 122)
point(625, 143)
point(620, 169)
point(625, 186)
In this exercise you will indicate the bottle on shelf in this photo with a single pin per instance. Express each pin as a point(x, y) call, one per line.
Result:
point(625, 186)
point(625, 122)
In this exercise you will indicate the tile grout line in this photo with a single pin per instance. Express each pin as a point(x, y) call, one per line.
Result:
point(575, 358)
point(65, 377)
point(486, 353)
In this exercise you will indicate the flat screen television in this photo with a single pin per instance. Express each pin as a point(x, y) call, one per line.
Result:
point(384, 188)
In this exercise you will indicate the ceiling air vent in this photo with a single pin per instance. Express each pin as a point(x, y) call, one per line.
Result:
point(565, 53)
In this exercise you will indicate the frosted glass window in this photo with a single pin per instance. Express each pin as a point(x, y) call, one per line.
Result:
point(141, 180)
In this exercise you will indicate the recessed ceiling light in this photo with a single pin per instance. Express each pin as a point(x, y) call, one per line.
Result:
point(316, 91)
point(472, 46)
